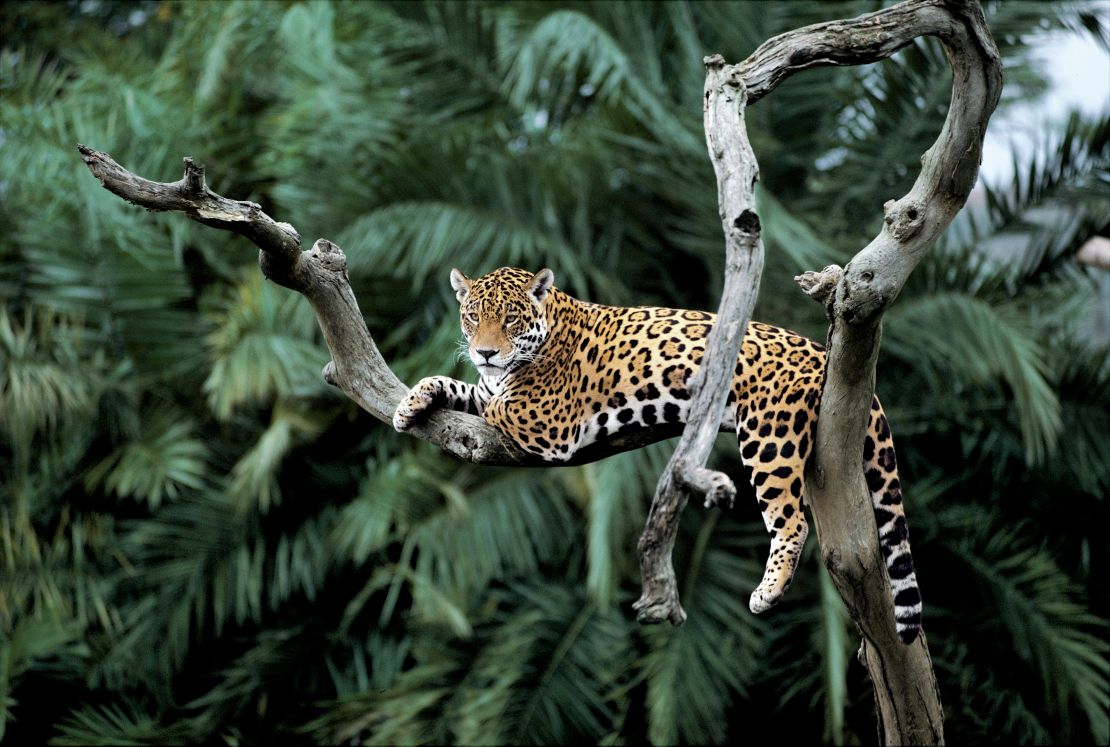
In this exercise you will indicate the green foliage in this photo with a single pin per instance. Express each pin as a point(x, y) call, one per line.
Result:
point(163, 461)
point(261, 347)
point(961, 341)
point(199, 542)
point(1046, 624)
point(44, 381)
point(714, 653)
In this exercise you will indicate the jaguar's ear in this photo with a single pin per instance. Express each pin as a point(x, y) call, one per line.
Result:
point(461, 284)
point(541, 283)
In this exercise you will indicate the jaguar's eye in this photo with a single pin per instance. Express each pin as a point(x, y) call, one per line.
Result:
point(472, 318)
point(510, 319)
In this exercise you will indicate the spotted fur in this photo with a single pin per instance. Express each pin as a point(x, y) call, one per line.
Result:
point(558, 374)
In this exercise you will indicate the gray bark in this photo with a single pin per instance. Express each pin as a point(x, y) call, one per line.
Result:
point(907, 701)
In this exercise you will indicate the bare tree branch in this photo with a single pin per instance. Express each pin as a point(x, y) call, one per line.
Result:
point(726, 136)
point(320, 274)
point(859, 41)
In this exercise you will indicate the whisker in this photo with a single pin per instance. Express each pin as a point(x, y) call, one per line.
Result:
point(527, 358)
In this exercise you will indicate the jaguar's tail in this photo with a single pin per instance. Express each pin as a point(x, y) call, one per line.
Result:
point(880, 467)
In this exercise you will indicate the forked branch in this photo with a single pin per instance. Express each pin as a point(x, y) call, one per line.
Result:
point(907, 700)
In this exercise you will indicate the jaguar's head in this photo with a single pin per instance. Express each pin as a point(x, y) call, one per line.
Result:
point(502, 316)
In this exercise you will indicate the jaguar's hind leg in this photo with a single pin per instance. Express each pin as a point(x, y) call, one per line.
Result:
point(772, 450)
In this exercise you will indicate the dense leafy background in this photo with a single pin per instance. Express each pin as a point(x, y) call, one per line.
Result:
point(199, 542)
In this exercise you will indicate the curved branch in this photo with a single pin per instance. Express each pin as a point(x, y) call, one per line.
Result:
point(855, 299)
point(858, 41)
point(320, 274)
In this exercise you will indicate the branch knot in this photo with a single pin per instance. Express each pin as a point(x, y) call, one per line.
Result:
point(329, 256)
point(748, 222)
point(903, 218)
point(713, 62)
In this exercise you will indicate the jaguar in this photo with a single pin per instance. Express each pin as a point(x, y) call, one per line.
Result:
point(557, 374)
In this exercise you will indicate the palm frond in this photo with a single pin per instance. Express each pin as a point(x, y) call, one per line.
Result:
point(115, 724)
point(300, 562)
point(965, 340)
point(810, 646)
point(250, 678)
point(43, 376)
point(1045, 624)
point(408, 713)
point(988, 703)
point(254, 478)
point(615, 512)
point(44, 643)
point(566, 657)
point(164, 460)
point(198, 571)
point(263, 347)
point(414, 238)
point(835, 647)
point(370, 665)
point(1082, 375)
point(714, 651)
point(505, 527)
point(567, 55)
point(395, 496)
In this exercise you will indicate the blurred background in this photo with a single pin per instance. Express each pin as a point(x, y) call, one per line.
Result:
point(201, 542)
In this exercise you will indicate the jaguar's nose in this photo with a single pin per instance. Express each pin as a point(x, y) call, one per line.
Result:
point(486, 353)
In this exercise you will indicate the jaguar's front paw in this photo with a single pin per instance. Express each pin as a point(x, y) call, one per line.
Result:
point(403, 417)
point(414, 408)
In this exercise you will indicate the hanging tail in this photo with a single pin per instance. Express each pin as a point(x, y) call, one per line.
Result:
point(880, 467)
